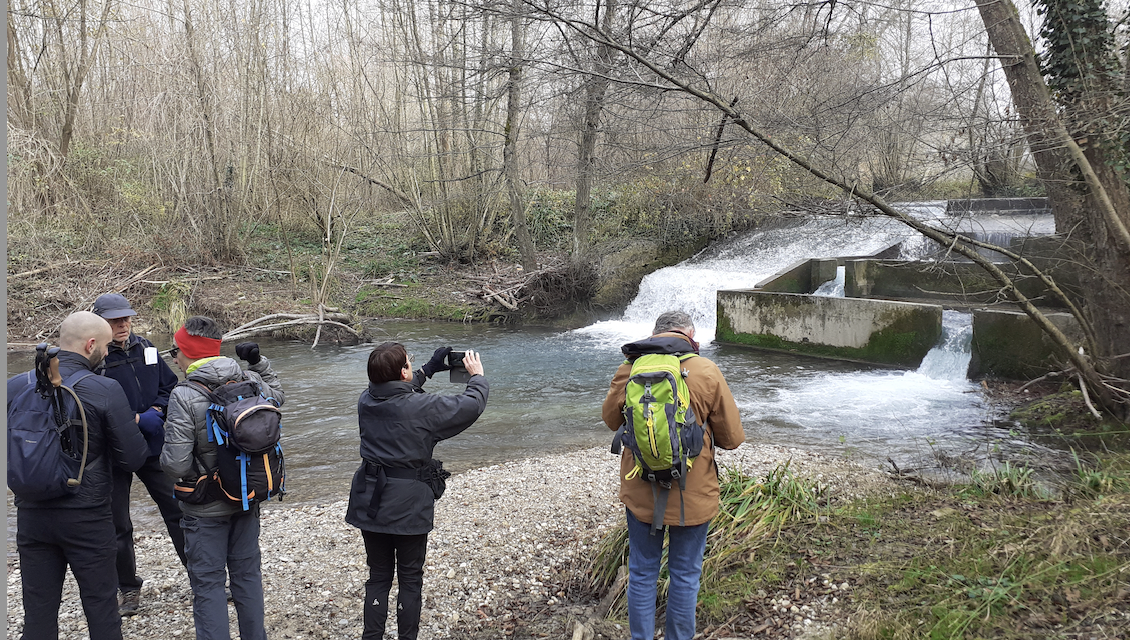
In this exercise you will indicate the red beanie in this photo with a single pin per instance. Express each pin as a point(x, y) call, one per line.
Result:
point(196, 347)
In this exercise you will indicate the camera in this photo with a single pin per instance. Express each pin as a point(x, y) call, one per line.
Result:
point(458, 372)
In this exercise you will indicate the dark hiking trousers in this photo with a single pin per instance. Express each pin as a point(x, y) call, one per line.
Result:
point(48, 541)
point(222, 549)
point(386, 553)
point(160, 488)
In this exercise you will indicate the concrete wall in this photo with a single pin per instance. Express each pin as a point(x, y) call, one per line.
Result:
point(796, 278)
point(999, 205)
point(962, 283)
point(874, 331)
point(802, 277)
point(1008, 344)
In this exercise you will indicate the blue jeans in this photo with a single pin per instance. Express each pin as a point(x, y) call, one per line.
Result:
point(684, 565)
point(218, 549)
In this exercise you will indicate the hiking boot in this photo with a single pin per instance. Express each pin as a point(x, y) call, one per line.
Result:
point(129, 602)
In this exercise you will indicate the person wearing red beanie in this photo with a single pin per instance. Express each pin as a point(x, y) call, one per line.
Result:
point(220, 537)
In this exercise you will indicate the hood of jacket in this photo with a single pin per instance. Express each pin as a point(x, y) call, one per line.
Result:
point(672, 343)
point(216, 371)
point(386, 390)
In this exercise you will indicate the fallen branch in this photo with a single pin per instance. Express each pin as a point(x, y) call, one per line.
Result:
point(1051, 374)
point(387, 283)
point(492, 294)
point(292, 323)
point(1087, 398)
point(321, 322)
point(24, 274)
point(289, 316)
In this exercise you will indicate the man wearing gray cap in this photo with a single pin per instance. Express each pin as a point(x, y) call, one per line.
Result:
point(147, 381)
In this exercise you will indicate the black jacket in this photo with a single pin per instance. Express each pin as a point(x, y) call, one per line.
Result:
point(145, 385)
point(114, 436)
point(400, 425)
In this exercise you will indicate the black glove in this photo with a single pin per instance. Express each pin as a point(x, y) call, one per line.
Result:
point(437, 363)
point(248, 351)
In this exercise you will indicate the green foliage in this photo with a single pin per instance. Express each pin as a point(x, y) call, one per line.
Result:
point(374, 301)
point(1082, 67)
point(1093, 480)
point(171, 304)
point(1009, 481)
point(550, 219)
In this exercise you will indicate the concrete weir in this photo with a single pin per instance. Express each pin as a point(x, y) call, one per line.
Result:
point(874, 331)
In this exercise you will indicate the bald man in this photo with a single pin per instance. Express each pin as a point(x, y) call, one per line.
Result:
point(78, 529)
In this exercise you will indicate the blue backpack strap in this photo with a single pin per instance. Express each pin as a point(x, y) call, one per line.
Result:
point(216, 434)
point(244, 459)
point(73, 379)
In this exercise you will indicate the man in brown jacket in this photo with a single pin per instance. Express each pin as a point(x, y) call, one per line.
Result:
point(714, 407)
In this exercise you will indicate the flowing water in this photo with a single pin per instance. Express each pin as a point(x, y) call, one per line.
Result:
point(546, 386)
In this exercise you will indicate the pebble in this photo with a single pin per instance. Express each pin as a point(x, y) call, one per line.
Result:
point(512, 533)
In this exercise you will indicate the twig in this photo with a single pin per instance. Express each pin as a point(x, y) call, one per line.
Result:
point(321, 321)
point(387, 283)
point(40, 270)
point(898, 472)
point(1087, 398)
point(1050, 374)
point(198, 279)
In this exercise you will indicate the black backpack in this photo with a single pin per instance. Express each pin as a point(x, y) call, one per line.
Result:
point(44, 423)
point(246, 426)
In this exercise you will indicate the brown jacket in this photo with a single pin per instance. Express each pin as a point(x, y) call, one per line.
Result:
point(714, 406)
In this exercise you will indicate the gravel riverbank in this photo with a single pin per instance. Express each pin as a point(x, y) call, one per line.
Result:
point(508, 538)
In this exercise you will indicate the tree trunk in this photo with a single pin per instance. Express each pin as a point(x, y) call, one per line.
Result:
point(1094, 211)
point(596, 87)
point(510, 150)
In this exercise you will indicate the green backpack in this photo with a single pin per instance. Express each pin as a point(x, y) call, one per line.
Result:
point(660, 428)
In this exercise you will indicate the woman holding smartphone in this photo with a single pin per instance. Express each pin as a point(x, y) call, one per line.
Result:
point(392, 499)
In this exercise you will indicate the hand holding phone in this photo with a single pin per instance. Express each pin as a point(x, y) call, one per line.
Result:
point(473, 363)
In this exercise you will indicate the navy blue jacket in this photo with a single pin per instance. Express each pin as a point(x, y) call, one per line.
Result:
point(400, 425)
point(114, 436)
point(145, 385)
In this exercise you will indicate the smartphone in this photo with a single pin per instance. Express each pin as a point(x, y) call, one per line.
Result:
point(458, 372)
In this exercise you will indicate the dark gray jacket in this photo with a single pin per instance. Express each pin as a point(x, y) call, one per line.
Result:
point(400, 425)
point(114, 436)
point(186, 429)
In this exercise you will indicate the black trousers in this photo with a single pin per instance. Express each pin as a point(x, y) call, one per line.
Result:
point(48, 541)
point(160, 488)
point(386, 553)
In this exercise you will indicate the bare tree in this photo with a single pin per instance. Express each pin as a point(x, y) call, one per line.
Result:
point(510, 151)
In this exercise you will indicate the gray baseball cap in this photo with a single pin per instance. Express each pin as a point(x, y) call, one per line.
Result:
point(113, 305)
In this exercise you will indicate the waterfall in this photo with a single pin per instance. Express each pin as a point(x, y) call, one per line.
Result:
point(949, 360)
point(740, 262)
point(833, 288)
point(991, 228)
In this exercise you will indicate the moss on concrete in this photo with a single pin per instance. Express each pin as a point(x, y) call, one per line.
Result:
point(1010, 345)
point(902, 343)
